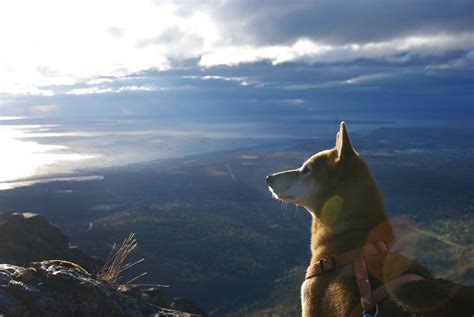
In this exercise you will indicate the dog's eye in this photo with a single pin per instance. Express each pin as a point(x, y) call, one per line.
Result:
point(306, 169)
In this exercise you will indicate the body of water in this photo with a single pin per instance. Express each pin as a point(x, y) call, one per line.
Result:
point(38, 149)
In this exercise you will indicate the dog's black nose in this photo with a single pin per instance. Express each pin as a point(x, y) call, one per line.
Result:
point(269, 179)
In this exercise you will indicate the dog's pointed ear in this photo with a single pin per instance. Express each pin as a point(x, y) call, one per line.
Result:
point(343, 143)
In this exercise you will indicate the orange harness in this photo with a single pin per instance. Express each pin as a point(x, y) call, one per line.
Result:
point(369, 299)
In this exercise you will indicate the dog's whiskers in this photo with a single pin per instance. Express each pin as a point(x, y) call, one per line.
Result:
point(285, 205)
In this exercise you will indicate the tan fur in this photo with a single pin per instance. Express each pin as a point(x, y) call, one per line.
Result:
point(347, 210)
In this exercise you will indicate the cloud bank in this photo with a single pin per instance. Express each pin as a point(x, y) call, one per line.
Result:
point(54, 51)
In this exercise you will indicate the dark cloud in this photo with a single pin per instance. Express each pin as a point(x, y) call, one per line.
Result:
point(261, 89)
point(340, 21)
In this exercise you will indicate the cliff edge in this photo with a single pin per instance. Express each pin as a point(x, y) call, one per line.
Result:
point(46, 276)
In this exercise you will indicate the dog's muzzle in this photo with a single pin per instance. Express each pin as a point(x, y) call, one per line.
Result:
point(269, 179)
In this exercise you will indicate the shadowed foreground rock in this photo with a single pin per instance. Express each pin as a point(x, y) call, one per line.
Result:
point(62, 288)
point(28, 237)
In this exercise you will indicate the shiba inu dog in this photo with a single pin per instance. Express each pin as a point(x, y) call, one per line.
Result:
point(352, 272)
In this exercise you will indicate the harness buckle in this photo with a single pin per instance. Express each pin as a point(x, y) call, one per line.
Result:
point(332, 258)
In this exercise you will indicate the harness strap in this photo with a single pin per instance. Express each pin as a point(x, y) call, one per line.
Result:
point(383, 291)
point(332, 262)
point(368, 298)
point(362, 278)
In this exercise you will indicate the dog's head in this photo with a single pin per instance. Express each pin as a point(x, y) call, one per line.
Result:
point(325, 176)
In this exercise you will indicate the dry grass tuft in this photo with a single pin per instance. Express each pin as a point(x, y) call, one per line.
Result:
point(113, 269)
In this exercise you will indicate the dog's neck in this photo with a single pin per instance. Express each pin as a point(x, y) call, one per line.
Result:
point(361, 220)
point(324, 242)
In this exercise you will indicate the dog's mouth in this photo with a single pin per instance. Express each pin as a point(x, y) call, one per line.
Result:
point(280, 196)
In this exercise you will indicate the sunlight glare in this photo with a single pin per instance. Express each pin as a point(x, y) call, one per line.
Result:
point(23, 159)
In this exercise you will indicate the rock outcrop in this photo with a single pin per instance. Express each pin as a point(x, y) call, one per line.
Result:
point(46, 276)
point(28, 237)
point(62, 288)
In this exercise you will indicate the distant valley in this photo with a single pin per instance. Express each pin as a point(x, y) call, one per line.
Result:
point(208, 227)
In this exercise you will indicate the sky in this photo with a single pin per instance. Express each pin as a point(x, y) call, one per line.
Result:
point(177, 58)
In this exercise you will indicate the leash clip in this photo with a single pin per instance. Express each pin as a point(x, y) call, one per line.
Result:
point(375, 314)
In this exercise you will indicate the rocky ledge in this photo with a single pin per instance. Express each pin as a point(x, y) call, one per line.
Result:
point(32, 285)
point(62, 288)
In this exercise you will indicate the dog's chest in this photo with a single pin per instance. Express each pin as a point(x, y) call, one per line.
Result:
point(329, 295)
